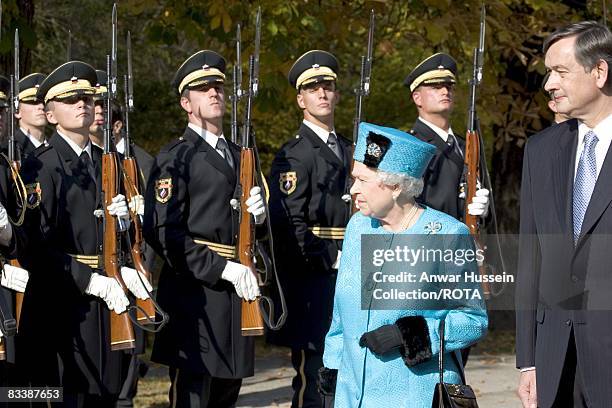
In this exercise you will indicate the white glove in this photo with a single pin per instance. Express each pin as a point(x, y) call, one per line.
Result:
point(6, 230)
point(14, 278)
point(109, 290)
point(134, 284)
point(480, 203)
point(137, 205)
point(243, 279)
point(119, 209)
point(336, 264)
point(255, 205)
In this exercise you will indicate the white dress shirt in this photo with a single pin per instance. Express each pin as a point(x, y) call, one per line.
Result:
point(77, 149)
point(604, 135)
point(34, 140)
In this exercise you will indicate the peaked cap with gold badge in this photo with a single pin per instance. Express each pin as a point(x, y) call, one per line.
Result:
point(437, 69)
point(28, 87)
point(200, 69)
point(312, 67)
point(101, 85)
point(5, 89)
point(69, 79)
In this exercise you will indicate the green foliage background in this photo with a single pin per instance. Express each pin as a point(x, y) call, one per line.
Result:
point(165, 32)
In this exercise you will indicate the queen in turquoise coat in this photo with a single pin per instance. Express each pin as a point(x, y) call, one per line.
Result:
point(389, 358)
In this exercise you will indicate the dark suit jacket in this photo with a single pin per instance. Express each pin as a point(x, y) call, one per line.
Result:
point(443, 175)
point(307, 182)
point(188, 198)
point(561, 288)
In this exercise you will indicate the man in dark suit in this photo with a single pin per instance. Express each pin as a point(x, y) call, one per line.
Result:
point(190, 222)
point(564, 311)
point(31, 116)
point(309, 210)
point(432, 87)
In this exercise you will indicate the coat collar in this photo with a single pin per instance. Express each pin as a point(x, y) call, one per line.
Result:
point(214, 158)
point(431, 137)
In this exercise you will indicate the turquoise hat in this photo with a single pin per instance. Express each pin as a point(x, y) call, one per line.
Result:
point(392, 150)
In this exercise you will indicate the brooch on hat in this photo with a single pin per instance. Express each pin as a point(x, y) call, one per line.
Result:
point(433, 227)
point(376, 148)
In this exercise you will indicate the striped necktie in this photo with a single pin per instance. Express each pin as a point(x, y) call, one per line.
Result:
point(584, 183)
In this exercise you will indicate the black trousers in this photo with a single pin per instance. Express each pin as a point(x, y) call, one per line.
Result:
point(306, 364)
point(196, 390)
point(570, 393)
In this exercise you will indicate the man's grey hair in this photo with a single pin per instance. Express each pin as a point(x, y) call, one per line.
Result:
point(411, 186)
point(593, 43)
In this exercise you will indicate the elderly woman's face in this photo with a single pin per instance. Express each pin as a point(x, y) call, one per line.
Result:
point(373, 198)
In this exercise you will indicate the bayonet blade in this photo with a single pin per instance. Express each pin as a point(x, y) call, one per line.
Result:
point(16, 72)
point(255, 86)
point(69, 46)
point(238, 62)
point(481, 43)
point(129, 78)
point(371, 37)
point(113, 65)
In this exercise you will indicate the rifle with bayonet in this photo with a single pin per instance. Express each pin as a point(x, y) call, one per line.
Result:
point(362, 91)
point(121, 331)
point(16, 161)
point(252, 321)
point(473, 144)
point(132, 187)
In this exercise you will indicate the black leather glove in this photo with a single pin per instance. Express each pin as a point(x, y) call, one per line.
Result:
point(326, 381)
point(382, 340)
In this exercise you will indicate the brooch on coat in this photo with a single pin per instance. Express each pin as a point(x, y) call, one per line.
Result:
point(433, 227)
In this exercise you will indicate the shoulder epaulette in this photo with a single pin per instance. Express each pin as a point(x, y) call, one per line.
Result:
point(40, 150)
point(173, 144)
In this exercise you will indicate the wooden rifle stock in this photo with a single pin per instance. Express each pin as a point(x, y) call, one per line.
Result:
point(252, 321)
point(122, 334)
point(146, 309)
point(472, 162)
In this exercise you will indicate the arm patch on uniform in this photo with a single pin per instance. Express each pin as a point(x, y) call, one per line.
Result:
point(288, 182)
point(33, 195)
point(163, 190)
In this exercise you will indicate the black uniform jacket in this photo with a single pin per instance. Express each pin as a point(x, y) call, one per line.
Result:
point(307, 182)
point(60, 221)
point(443, 175)
point(23, 144)
point(562, 286)
point(188, 200)
point(7, 296)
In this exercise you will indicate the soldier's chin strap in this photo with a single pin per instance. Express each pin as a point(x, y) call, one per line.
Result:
point(269, 262)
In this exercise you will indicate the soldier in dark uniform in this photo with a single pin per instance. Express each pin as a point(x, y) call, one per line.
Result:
point(69, 298)
point(132, 364)
point(190, 222)
point(12, 279)
point(432, 87)
point(309, 211)
point(96, 130)
point(31, 116)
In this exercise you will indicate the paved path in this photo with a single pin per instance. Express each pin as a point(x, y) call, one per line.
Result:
point(493, 378)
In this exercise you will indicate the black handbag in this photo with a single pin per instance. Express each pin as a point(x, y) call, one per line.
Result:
point(452, 395)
